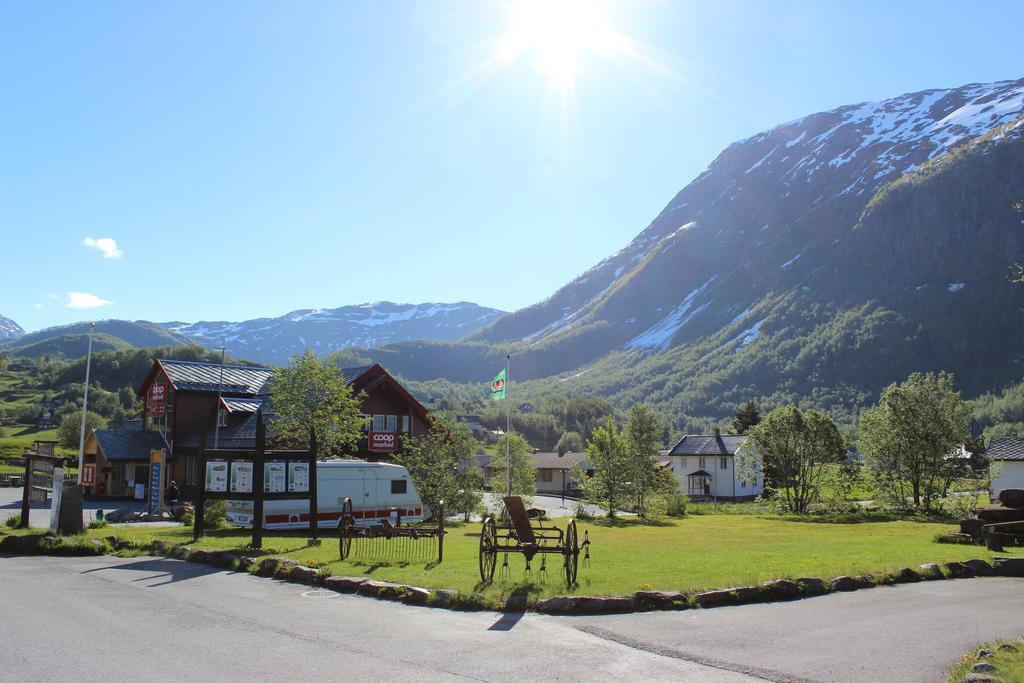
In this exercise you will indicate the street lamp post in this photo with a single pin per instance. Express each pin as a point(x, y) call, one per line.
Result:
point(85, 406)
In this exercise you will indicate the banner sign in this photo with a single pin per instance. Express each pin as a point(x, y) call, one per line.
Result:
point(385, 442)
point(156, 480)
point(298, 477)
point(157, 399)
point(88, 474)
point(241, 477)
point(217, 476)
point(58, 489)
point(274, 477)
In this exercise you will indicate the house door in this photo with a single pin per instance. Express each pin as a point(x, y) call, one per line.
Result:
point(141, 476)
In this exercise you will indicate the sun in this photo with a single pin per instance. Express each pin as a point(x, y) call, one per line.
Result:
point(556, 35)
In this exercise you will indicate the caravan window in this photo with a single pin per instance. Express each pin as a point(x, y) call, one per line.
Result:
point(399, 486)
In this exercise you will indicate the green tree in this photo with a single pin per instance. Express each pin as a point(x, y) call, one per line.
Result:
point(643, 441)
point(524, 470)
point(746, 417)
point(797, 449)
point(310, 394)
point(608, 456)
point(441, 465)
point(910, 438)
point(569, 442)
point(69, 430)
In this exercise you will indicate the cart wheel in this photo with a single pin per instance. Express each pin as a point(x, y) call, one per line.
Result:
point(488, 549)
point(346, 529)
point(572, 553)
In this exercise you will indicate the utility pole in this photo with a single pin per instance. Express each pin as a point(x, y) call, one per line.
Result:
point(85, 406)
point(508, 427)
point(220, 386)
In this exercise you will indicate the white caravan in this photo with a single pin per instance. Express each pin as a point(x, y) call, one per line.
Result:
point(378, 490)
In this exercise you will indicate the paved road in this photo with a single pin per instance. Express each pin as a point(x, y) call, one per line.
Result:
point(164, 619)
point(39, 515)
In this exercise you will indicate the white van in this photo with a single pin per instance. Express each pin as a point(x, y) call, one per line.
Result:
point(374, 487)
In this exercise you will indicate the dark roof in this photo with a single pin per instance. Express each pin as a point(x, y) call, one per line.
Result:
point(368, 377)
point(699, 473)
point(127, 443)
point(708, 444)
point(239, 435)
point(353, 373)
point(552, 461)
point(1006, 448)
point(205, 377)
point(243, 405)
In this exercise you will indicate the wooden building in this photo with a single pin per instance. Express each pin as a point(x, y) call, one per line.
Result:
point(180, 415)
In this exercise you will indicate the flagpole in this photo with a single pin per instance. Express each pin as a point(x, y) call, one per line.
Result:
point(508, 428)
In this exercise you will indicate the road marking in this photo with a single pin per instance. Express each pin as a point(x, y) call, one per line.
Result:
point(320, 593)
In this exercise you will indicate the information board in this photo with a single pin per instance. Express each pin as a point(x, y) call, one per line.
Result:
point(298, 476)
point(241, 477)
point(58, 488)
point(88, 474)
point(217, 476)
point(274, 477)
point(156, 480)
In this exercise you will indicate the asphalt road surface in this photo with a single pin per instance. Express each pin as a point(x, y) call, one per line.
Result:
point(162, 619)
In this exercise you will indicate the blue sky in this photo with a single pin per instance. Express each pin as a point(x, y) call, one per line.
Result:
point(248, 159)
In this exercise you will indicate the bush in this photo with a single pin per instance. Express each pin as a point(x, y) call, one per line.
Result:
point(676, 505)
point(13, 521)
point(958, 507)
point(98, 524)
point(188, 519)
point(215, 514)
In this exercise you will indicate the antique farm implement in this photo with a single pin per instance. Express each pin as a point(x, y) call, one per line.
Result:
point(530, 539)
point(384, 540)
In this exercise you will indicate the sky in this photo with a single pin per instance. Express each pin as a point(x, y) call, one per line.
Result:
point(232, 160)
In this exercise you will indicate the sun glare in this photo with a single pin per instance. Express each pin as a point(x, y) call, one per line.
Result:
point(557, 34)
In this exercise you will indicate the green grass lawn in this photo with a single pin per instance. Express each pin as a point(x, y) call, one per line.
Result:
point(687, 554)
point(20, 437)
point(1007, 656)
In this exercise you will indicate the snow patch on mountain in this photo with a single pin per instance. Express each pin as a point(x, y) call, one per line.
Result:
point(659, 335)
point(10, 329)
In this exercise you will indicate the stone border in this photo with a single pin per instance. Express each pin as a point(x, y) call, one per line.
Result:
point(289, 570)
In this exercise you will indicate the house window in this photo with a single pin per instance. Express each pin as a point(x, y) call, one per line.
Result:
point(222, 418)
point(723, 463)
point(405, 424)
point(392, 423)
point(682, 464)
point(545, 476)
point(743, 484)
point(367, 422)
point(379, 423)
point(701, 461)
point(399, 486)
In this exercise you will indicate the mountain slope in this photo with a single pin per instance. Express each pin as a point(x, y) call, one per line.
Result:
point(9, 329)
point(819, 260)
point(70, 341)
point(274, 340)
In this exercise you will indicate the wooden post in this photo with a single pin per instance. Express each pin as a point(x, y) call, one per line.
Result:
point(197, 522)
point(314, 516)
point(440, 533)
point(26, 494)
point(257, 484)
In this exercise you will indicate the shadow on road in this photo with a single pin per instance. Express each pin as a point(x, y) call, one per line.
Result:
point(507, 621)
point(173, 571)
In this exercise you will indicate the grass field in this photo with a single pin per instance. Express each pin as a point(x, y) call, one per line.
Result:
point(1007, 657)
point(687, 554)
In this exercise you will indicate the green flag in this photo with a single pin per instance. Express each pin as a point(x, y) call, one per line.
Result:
point(498, 387)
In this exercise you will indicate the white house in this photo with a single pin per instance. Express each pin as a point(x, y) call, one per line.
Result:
point(706, 467)
point(1006, 453)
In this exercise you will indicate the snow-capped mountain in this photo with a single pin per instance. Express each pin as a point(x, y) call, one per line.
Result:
point(829, 255)
point(9, 329)
point(274, 340)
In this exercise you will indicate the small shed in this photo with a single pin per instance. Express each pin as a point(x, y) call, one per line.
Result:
point(1006, 455)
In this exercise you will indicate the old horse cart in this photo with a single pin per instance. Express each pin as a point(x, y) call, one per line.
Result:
point(530, 539)
point(382, 539)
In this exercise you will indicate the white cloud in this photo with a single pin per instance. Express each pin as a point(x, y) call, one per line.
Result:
point(38, 306)
point(83, 300)
point(107, 245)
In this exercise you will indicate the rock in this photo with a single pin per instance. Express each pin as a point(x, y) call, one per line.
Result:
point(112, 540)
point(181, 552)
point(344, 584)
point(271, 566)
point(780, 589)
point(125, 545)
point(445, 597)
point(972, 527)
point(415, 595)
point(201, 556)
point(381, 589)
point(958, 570)
point(1006, 647)
point(717, 598)
point(907, 575)
point(1009, 566)
point(864, 581)
point(984, 652)
point(160, 547)
point(304, 575)
point(659, 600)
point(812, 586)
point(979, 567)
point(248, 562)
point(516, 602)
point(844, 584)
point(983, 667)
point(284, 569)
point(978, 678)
point(584, 604)
point(931, 572)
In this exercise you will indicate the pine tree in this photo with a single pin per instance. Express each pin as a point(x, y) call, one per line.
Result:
point(745, 418)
